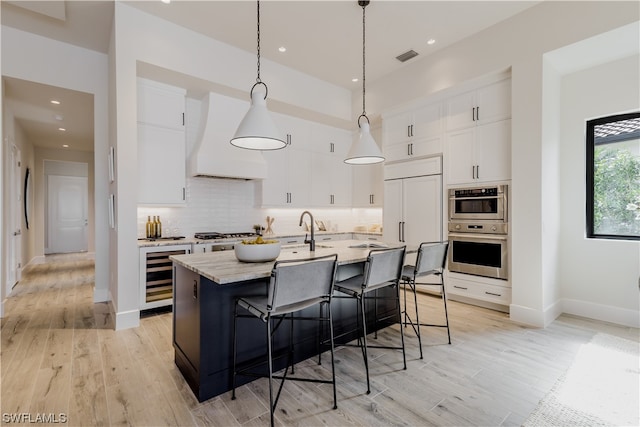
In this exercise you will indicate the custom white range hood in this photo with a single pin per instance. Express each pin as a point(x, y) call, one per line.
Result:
point(213, 155)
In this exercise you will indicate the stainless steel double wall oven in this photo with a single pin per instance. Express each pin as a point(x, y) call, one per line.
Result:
point(478, 228)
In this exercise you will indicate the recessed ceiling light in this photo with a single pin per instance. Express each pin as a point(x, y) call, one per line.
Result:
point(166, 1)
point(58, 117)
point(62, 129)
point(431, 41)
point(55, 101)
point(282, 49)
point(355, 79)
point(65, 145)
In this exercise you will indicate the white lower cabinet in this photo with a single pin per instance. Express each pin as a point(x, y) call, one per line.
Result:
point(156, 274)
point(479, 288)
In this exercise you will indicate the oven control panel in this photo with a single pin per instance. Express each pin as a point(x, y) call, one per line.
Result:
point(482, 227)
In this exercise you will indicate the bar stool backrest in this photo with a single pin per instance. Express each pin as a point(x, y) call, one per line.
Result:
point(432, 257)
point(383, 265)
point(296, 281)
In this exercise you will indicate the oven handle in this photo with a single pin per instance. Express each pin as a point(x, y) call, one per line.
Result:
point(476, 198)
point(477, 236)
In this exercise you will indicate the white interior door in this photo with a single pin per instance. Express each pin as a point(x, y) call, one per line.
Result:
point(67, 214)
point(15, 217)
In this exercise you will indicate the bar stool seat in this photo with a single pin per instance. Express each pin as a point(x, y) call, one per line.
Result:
point(294, 285)
point(383, 268)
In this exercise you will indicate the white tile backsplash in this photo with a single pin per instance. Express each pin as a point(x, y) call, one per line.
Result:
point(227, 205)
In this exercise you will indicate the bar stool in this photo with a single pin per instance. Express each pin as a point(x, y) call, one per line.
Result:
point(294, 285)
point(431, 261)
point(383, 268)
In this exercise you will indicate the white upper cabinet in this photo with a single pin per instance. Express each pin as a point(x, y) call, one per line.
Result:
point(367, 185)
point(413, 133)
point(331, 176)
point(478, 141)
point(480, 106)
point(161, 144)
point(160, 104)
point(288, 181)
point(480, 154)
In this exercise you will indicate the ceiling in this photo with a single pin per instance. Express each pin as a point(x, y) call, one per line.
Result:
point(323, 38)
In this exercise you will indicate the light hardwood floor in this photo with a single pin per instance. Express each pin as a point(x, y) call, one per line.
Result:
point(60, 355)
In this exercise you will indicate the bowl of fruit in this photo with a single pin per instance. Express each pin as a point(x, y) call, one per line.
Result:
point(257, 250)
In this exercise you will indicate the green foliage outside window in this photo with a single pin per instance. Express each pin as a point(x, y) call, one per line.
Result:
point(616, 191)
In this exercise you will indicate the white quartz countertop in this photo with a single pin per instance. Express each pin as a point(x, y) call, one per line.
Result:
point(223, 267)
point(168, 241)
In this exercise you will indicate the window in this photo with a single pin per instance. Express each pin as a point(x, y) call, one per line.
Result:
point(613, 177)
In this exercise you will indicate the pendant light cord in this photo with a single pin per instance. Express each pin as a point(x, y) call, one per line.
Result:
point(258, 80)
point(364, 112)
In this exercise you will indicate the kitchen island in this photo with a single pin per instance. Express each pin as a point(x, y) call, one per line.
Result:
point(206, 287)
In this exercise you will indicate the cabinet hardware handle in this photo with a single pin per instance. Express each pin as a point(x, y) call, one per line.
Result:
point(408, 131)
point(473, 114)
point(412, 142)
point(478, 113)
point(478, 171)
point(411, 130)
point(400, 231)
point(292, 241)
point(326, 238)
point(371, 199)
point(184, 194)
point(473, 172)
point(408, 149)
point(491, 293)
point(195, 289)
point(371, 238)
point(460, 287)
point(403, 230)
point(182, 119)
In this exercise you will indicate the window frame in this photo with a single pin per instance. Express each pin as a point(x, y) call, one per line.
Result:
point(590, 173)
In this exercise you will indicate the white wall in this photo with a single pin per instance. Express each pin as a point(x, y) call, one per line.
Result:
point(519, 43)
point(30, 57)
point(599, 278)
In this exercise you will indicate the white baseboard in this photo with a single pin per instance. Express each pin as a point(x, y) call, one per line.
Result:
point(124, 319)
point(100, 295)
point(526, 315)
point(605, 313)
point(552, 312)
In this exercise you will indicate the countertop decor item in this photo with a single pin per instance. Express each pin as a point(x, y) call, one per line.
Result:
point(269, 230)
point(257, 250)
point(364, 150)
point(257, 130)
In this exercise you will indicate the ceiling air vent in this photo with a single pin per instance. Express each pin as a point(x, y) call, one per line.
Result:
point(407, 55)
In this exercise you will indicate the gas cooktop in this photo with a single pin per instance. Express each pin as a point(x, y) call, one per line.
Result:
point(211, 235)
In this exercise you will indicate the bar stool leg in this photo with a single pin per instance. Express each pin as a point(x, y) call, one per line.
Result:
point(364, 342)
point(291, 346)
point(333, 366)
point(404, 356)
point(446, 315)
point(415, 301)
point(270, 368)
point(320, 335)
point(404, 292)
point(235, 350)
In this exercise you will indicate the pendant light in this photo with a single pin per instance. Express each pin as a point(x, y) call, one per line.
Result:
point(257, 131)
point(364, 150)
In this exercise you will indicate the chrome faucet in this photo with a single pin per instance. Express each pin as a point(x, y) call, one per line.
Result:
point(312, 241)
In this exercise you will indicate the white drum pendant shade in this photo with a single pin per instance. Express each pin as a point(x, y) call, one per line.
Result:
point(257, 130)
point(364, 150)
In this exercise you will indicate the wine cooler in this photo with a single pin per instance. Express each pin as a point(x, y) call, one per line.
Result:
point(156, 274)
